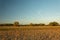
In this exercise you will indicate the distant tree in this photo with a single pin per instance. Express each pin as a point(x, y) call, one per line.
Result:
point(53, 24)
point(42, 24)
point(16, 23)
point(31, 24)
point(8, 24)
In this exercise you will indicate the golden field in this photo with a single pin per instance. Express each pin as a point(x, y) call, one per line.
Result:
point(30, 33)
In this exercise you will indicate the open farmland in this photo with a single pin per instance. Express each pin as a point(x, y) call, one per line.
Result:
point(30, 33)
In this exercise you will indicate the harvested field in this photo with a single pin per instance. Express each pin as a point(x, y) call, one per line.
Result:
point(30, 33)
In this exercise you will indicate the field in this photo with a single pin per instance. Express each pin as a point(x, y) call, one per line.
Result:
point(30, 33)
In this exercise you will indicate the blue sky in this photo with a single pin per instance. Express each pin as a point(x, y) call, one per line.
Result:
point(29, 11)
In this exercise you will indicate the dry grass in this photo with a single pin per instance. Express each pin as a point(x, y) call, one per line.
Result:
point(30, 33)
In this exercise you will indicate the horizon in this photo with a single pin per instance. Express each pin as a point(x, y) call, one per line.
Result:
point(29, 11)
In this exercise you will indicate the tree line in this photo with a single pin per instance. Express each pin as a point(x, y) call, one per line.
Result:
point(31, 24)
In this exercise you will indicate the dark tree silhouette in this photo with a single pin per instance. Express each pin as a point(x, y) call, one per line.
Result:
point(31, 24)
point(16, 23)
point(41, 24)
point(53, 24)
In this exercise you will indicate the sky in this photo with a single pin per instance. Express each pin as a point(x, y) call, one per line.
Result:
point(29, 11)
